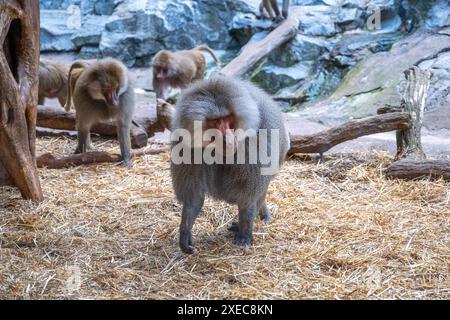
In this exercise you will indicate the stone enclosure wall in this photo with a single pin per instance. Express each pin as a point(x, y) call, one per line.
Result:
point(334, 42)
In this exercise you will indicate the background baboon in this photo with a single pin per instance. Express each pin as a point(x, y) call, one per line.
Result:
point(179, 69)
point(53, 81)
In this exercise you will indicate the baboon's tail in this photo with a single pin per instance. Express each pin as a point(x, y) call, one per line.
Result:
point(205, 47)
point(71, 81)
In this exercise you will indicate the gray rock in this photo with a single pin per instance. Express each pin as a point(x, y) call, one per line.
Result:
point(323, 80)
point(439, 92)
point(133, 50)
point(373, 82)
point(55, 33)
point(245, 28)
point(137, 31)
point(439, 15)
point(357, 46)
point(350, 18)
point(91, 32)
point(318, 21)
point(301, 48)
point(344, 61)
point(90, 52)
point(58, 4)
point(273, 78)
point(105, 7)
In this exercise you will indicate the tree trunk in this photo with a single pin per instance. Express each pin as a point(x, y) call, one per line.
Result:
point(19, 69)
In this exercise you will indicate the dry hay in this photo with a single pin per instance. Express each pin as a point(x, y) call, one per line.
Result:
point(340, 230)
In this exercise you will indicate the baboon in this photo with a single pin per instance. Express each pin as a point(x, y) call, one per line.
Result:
point(53, 81)
point(178, 69)
point(103, 91)
point(226, 105)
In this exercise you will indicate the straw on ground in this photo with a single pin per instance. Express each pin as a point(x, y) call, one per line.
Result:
point(340, 230)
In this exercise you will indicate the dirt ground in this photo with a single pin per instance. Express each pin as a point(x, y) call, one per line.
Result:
point(340, 231)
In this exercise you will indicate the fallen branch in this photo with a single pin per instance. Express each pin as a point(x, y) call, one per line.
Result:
point(253, 52)
point(389, 109)
point(323, 141)
point(57, 118)
point(48, 161)
point(413, 169)
point(47, 132)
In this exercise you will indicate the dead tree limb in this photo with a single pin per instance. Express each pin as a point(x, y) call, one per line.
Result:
point(253, 52)
point(19, 70)
point(57, 118)
point(389, 109)
point(323, 141)
point(46, 132)
point(413, 169)
point(50, 162)
point(413, 163)
point(147, 121)
point(409, 143)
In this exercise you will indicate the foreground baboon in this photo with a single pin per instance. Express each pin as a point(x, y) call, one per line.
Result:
point(53, 81)
point(178, 69)
point(226, 105)
point(102, 92)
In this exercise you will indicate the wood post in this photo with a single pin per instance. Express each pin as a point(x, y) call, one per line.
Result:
point(412, 162)
point(409, 143)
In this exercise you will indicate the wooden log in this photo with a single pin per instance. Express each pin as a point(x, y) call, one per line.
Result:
point(254, 52)
point(48, 161)
point(19, 71)
point(325, 140)
point(46, 132)
point(412, 169)
point(57, 118)
point(147, 121)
